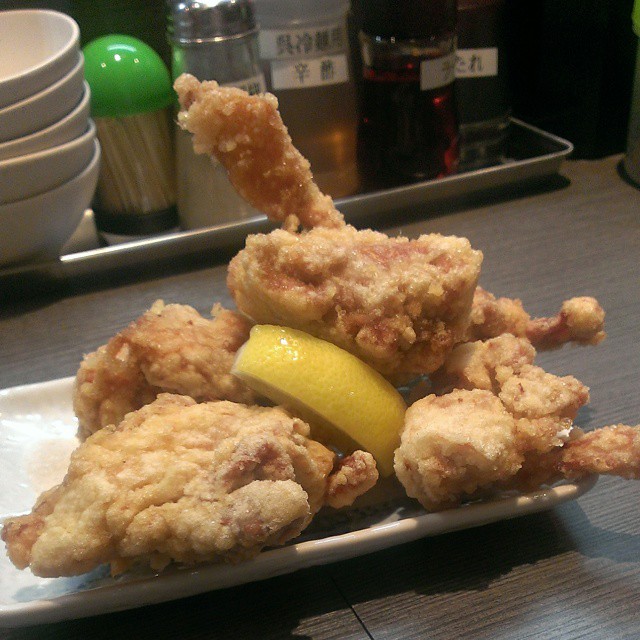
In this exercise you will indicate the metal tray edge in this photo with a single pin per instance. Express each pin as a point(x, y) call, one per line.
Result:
point(231, 235)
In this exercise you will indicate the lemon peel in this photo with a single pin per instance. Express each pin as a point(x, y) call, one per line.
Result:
point(346, 402)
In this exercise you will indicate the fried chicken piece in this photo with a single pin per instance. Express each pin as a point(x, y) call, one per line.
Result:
point(580, 320)
point(355, 475)
point(179, 481)
point(503, 434)
point(503, 365)
point(454, 445)
point(533, 393)
point(398, 304)
point(247, 135)
point(613, 450)
point(475, 365)
point(169, 348)
point(463, 444)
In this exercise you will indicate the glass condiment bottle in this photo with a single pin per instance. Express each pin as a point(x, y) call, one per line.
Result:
point(484, 106)
point(212, 40)
point(409, 128)
point(305, 50)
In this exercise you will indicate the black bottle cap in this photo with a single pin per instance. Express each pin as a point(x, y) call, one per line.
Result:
point(408, 19)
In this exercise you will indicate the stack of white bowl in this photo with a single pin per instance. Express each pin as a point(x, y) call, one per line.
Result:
point(49, 153)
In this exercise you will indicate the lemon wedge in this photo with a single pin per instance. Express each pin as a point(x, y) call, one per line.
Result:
point(346, 402)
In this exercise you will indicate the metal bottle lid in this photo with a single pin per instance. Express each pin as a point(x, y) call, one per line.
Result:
point(210, 20)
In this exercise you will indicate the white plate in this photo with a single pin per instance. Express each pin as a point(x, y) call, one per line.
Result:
point(37, 434)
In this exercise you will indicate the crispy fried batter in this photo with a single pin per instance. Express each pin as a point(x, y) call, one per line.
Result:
point(398, 304)
point(456, 446)
point(533, 393)
point(181, 481)
point(185, 482)
point(613, 450)
point(246, 134)
point(169, 348)
point(475, 365)
point(355, 475)
point(580, 320)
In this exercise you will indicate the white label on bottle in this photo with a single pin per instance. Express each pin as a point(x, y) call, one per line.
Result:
point(437, 72)
point(283, 44)
point(253, 85)
point(477, 63)
point(313, 72)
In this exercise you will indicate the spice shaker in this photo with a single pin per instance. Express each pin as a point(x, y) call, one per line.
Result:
point(409, 127)
point(305, 50)
point(212, 40)
point(482, 93)
point(131, 99)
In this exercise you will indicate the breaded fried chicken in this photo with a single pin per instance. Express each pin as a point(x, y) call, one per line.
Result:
point(246, 134)
point(398, 304)
point(169, 348)
point(181, 481)
point(475, 365)
point(456, 446)
point(580, 320)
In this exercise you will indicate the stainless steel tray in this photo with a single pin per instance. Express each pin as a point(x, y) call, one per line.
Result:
point(530, 154)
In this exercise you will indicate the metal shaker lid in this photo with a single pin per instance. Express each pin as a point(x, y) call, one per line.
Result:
point(207, 20)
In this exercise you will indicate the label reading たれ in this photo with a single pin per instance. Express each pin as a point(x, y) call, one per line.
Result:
point(437, 72)
point(477, 63)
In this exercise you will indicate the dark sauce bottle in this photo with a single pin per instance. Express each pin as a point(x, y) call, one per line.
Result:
point(409, 128)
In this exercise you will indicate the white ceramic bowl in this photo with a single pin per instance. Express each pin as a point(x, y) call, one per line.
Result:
point(37, 48)
point(38, 228)
point(74, 124)
point(45, 107)
point(34, 173)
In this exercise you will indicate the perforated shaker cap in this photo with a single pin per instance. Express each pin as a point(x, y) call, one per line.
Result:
point(209, 20)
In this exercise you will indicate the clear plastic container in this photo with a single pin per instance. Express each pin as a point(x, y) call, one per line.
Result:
point(304, 47)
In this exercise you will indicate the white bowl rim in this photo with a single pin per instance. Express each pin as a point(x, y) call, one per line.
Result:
point(78, 67)
point(17, 142)
point(5, 209)
point(44, 154)
point(71, 44)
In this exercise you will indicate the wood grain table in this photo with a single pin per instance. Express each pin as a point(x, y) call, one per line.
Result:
point(572, 572)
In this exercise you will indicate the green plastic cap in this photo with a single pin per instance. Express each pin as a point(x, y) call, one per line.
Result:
point(126, 76)
point(635, 16)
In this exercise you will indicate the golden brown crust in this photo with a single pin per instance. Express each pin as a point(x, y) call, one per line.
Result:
point(169, 348)
point(179, 481)
point(613, 450)
point(398, 304)
point(247, 135)
point(580, 320)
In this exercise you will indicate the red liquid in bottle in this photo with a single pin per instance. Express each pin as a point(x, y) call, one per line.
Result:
point(407, 133)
